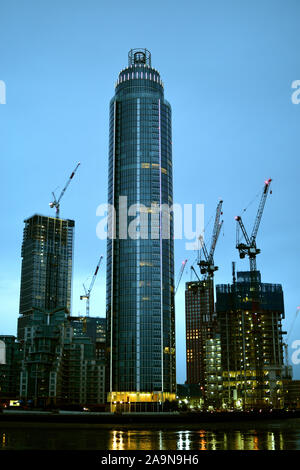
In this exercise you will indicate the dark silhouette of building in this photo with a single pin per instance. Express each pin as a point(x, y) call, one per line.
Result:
point(9, 368)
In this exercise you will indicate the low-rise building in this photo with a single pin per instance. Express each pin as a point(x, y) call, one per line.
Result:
point(9, 368)
point(58, 368)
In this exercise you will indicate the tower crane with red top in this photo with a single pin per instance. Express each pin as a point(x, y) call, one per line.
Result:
point(56, 202)
point(87, 293)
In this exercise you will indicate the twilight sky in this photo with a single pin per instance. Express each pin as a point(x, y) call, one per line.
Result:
point(227, 66)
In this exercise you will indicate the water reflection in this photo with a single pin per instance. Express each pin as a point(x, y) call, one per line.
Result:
point(221, 437)
point(255, 442)
point(117, 440)
point(135, 440)
point(202, 440)
point(183, 442)
point(271, 441)
point(199, 440)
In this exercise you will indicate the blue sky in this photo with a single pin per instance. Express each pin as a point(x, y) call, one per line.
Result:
point(227, 66)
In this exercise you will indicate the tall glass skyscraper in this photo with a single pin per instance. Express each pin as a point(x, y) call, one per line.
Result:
point(140, 260)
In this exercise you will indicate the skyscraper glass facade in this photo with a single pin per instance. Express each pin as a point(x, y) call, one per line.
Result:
point(47, 253)
point(140, 260)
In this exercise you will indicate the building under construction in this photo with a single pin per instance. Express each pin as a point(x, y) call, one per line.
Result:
point(200, 318)
point(47, 252)
point(249, 315)
point(56, 360)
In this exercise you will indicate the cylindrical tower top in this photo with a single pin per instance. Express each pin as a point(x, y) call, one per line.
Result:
point(139, 56)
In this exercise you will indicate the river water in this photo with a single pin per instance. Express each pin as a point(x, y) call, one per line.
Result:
point(271, 435)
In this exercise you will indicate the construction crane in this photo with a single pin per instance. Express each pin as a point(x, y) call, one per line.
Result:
point(183, 265)
point(56, 202)
point(87, 293)
point(233, 273)
point(194, 270)
point(206, 265)
point(285, 344)
point(249, 248)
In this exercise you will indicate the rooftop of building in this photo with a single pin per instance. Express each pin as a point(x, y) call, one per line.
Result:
point(48, 217)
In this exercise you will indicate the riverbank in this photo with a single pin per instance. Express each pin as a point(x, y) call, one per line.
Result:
point(136, 418)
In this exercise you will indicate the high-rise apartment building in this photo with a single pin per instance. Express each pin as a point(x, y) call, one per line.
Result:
point(140, 259)
point(199, 318)
point(46, 275)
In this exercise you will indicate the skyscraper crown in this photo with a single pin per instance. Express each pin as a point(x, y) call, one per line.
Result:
point(139, 56)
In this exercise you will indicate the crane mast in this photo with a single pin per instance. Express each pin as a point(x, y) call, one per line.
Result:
point(56, 202)
point(87, 293)
point(249, 248)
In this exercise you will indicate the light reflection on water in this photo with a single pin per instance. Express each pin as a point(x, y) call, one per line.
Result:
point(183, 440)
point(272, 437)
point(201, 440)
